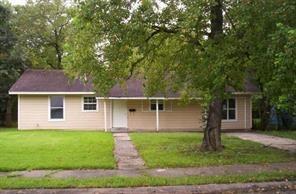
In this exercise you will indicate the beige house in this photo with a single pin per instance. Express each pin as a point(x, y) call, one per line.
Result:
point(48, 100)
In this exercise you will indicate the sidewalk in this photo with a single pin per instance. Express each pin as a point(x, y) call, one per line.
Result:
point(126, 155)
point(265, 187)
point(169, 172)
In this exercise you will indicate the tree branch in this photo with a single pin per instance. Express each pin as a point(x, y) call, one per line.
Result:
point(133, 65)
point(158, 29)
point(166, 30)
point(229, 18)
point(152, 35)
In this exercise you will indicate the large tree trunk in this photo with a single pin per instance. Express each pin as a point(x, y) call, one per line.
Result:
point(8, 112)
point(264, 113)
point(58, 49)
point(212, 131)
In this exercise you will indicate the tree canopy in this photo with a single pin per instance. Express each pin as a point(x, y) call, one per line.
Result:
point(267, 29)
point(41, 28)
point(166, 42)
point(11, 61)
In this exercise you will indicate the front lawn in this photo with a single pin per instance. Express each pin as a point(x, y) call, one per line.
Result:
point(182, 150)
point(26, 150)
point(286, 134)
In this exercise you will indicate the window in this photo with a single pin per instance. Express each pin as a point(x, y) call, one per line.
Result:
point(229, 112)
point(153, 105)
point(89, 104)
point(56, 108)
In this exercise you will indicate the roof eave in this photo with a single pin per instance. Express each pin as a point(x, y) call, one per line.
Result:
point(245, 93)
point(139, 98)
point(48, 93)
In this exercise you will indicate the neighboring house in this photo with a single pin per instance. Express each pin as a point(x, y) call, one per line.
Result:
point(47, 99)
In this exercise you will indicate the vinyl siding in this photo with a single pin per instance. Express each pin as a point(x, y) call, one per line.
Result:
point(184, 117)
point(174, 117)
point(33, 114)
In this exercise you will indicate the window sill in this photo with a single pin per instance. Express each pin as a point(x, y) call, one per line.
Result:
point(90, 111)
point(56, 120)
point(230, 120)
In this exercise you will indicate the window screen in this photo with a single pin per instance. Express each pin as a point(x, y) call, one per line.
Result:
point(56, 107)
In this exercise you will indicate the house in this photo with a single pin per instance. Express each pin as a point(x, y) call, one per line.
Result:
point(48, 100)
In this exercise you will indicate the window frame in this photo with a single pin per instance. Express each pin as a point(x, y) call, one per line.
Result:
point(82, 104)
point(49, 108)
point(227, 109)
point(150, 102)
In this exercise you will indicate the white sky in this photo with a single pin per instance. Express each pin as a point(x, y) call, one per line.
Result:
point(18, 2)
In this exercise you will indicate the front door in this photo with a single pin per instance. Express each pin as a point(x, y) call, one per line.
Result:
point(119, 114)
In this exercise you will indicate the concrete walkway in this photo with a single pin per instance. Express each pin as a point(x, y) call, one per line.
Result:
point(268, 140)
point(126, 155)
point(237, 169)
point(265, 187)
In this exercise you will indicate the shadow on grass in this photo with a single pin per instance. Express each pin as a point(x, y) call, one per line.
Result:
point(7, 129)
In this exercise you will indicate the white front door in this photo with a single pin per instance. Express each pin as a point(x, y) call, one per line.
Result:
point(119, 114)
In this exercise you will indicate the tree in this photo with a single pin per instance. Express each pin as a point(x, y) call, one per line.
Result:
point(268, 31)
point(41, 28)
point(179, 45)
point(11, 63)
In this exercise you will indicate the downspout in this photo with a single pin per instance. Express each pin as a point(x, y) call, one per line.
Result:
point(18, 111)
point(111, 114)
point(105, 116)
point(245, 112)
point(157, 116)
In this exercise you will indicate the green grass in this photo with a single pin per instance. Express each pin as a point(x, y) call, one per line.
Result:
point(27, 150)
point(182, 150)
point(286, 134)
point(114, 182)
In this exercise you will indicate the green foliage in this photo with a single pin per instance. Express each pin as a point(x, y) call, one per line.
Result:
point(41, 27)
point(167, 43)
point(164, 150)
point(11, 60)
point(268, 31)
point(27, 150)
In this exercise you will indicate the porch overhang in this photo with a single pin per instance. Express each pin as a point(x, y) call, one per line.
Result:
point(139, 98)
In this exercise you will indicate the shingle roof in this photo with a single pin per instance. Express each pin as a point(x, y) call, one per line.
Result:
point(57, 81)
point(134, 88)
point(48, 81)
point(249, 86)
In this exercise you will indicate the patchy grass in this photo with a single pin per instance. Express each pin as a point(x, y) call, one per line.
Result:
point(182, 150)
point(286, 134)
point(19, 183)
point(27, 150)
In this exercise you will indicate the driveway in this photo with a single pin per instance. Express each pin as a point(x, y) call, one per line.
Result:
point(267, 140)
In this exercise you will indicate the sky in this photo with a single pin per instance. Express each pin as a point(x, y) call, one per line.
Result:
point(17, 2)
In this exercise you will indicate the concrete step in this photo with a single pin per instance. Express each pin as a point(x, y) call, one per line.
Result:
point(119, 130)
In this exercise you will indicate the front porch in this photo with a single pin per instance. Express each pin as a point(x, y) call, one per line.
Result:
point(154, 114)
point(170, 114)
